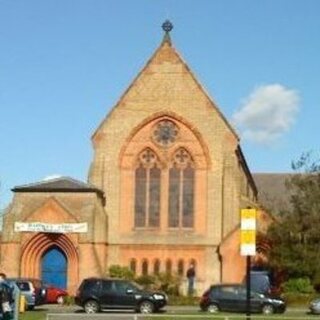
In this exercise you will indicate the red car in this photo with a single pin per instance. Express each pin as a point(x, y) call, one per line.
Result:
point(55, 295)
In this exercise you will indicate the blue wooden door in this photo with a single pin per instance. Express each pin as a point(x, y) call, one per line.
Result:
point(54, 267)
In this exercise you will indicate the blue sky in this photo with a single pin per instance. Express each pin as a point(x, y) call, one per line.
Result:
point(64, 64)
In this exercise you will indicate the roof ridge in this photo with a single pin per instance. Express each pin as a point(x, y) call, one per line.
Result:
point(63, 183)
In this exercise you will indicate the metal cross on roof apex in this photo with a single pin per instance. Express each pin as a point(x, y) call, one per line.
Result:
point(167, 26)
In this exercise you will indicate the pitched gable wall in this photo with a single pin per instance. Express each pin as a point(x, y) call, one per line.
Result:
point(167, 87)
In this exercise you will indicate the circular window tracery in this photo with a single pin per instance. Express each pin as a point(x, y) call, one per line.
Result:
point(165, 133)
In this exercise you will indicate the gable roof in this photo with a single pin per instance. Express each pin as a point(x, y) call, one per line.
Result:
point(166, 44)
point(61, 184)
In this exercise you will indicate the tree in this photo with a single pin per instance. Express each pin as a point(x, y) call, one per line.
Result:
point(117, 271)
point(296, 237)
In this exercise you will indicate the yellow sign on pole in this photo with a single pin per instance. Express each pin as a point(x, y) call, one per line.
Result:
point(248, 232)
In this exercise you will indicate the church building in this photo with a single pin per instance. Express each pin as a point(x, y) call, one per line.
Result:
point(165, 188)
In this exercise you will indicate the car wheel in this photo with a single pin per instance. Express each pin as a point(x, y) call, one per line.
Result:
point(91, 306)
point(146, 307)
point(213, 308)
point(267, 309)
point(60, 300)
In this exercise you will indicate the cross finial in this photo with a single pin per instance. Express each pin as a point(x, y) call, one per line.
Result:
point(167, 26)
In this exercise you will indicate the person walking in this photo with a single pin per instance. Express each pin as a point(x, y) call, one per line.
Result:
point(191, 275)
point(5, 298)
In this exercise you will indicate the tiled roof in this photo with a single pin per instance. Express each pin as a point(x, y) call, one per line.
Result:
point(61, 184)
point(272, 191)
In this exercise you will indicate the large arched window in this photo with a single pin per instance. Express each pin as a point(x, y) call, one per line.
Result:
point(181, 190)
point(147, 190)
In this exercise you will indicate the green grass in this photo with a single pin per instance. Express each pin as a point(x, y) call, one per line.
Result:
point(33, 315)
point(41, 315)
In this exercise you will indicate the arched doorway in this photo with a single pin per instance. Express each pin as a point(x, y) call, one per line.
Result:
point(36, 248)
point(54, 266)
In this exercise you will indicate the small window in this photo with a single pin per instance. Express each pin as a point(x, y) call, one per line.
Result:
point(133, 265)
point(145, 267)
point(168, 266)
point(180, 267)
point(156, 268)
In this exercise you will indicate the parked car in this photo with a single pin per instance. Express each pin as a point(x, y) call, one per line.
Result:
point(262, 282)
point(315, 306)
point(55, 295)
point(232, 297)
point(32, 289)
point(97, 294)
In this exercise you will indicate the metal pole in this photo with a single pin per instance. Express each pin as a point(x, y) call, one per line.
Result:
point(16, 304)
point(248, 311)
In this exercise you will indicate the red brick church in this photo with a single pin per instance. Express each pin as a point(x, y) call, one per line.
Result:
point(165, 188)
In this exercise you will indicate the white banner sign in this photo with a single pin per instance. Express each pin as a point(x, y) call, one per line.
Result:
point(51, 227)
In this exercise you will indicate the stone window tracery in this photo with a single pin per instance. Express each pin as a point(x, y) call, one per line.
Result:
point(165, 133)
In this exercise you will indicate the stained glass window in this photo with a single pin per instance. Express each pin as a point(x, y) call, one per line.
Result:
point(147, 190)
point(174, 196)
point(188, 192)
point(165, 133)
point(154, 195)
point(140, 197)
point(181, 191)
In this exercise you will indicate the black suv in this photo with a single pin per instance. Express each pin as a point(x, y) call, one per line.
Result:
point(96, 294)
point(234, 298)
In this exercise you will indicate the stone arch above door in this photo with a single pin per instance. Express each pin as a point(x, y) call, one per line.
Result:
point(38, 244)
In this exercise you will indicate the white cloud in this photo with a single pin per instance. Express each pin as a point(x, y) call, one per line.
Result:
point(267, 113)
point(51, 177)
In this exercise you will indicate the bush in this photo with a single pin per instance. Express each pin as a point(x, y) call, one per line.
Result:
point(68, 301)
point(168, 283)
point(183, 301)
point(298, 285)
point(299, 299)
point(146, 281)
point(116, 271)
